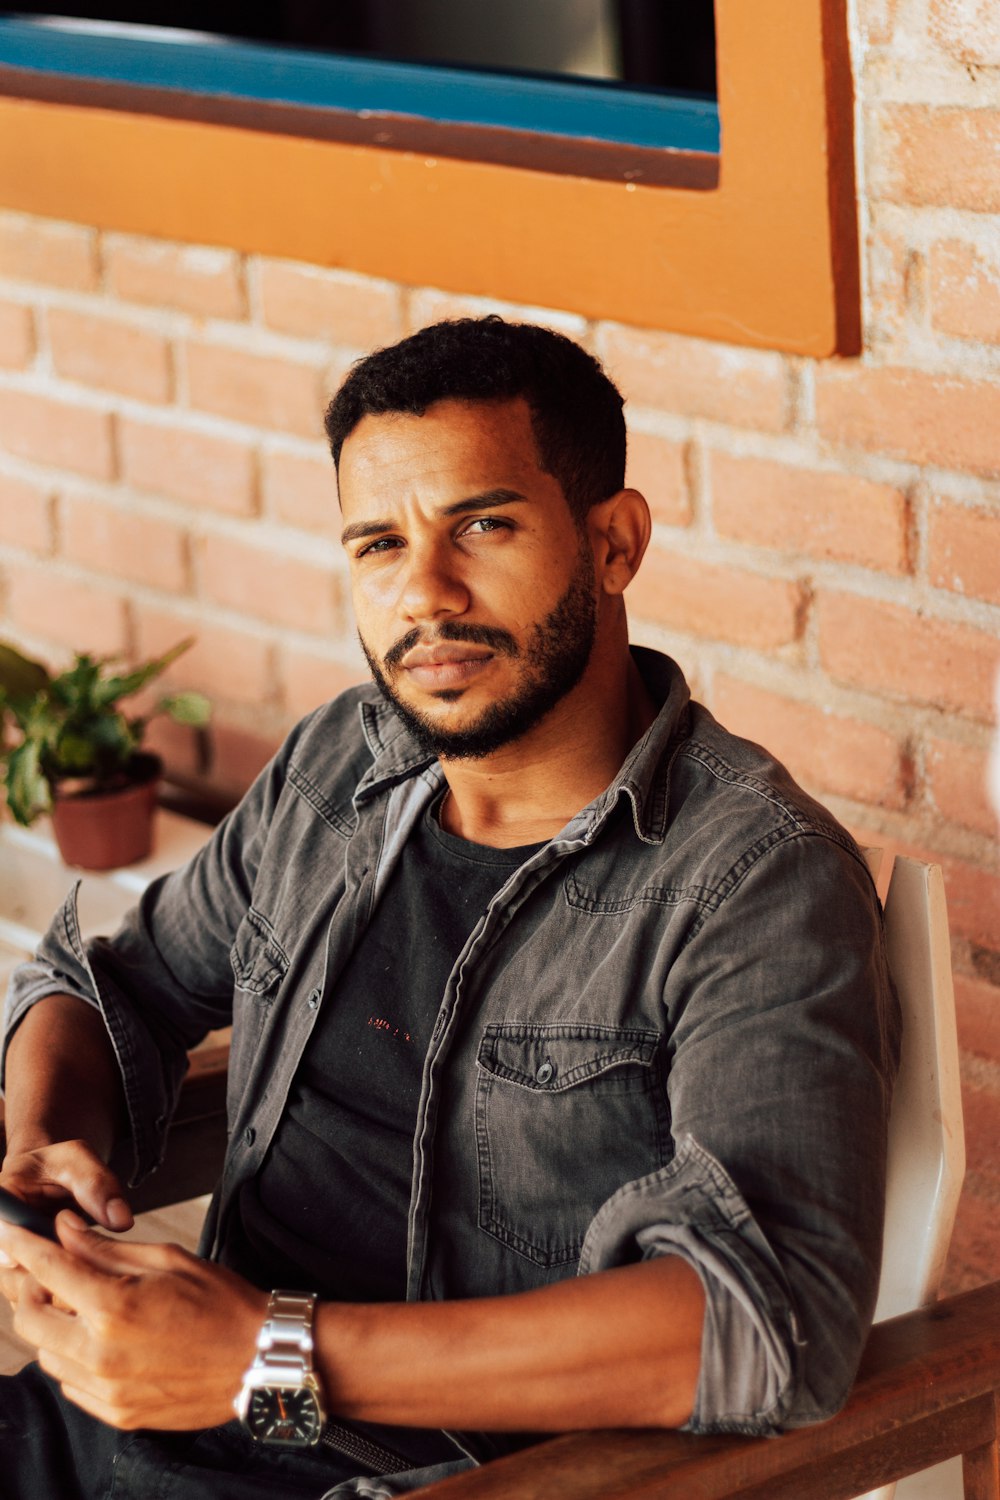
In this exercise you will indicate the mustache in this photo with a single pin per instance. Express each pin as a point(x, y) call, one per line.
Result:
point(491, 636)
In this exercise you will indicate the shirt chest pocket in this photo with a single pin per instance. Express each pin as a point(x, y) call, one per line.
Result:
point(259, 964)
point(565, 1114)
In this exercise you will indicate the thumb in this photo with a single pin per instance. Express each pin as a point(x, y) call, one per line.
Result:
point(95, 1187)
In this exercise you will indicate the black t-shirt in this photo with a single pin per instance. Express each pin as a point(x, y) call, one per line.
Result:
point(328, 1209)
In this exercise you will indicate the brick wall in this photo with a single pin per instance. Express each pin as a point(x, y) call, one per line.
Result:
point(826, 562)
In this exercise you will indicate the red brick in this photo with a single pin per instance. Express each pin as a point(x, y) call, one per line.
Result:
point(889, 259)
point(929, 419)
point(339, 306)
point(17, 335)
point(956, 776)
point(973, 901)
point(801, 510)
point(713, 600)
point(302, 491)
point(25, 515)
point(878, 20)
point(124, 542)
point(198, 279)
point(968, 29)
point(56, 433)
point(106, 352)
point(313, 677)
point(256, 388)
point(977, 1005)
point(826, 751)
point(656, 467)
point(66, 610)
point(182, 748)
point(948, 157)
point(964, 550)
point(196, 467)
point(41, 250)
point(695, 378)
point(981, 1107)
point(238, 755)
point(256, 580)
point(974, 1253)
point(888, 649)
point(965, 291)
point(233, 665)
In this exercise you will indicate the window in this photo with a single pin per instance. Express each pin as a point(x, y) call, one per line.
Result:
point(756, 246)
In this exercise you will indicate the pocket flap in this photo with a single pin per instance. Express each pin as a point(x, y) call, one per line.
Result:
point(551, 1058)
point(258, 960)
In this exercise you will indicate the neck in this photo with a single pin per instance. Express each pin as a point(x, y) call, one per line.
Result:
point(525, 792)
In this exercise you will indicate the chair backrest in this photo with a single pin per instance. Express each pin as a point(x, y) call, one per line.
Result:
point(926, 1137)
point(926, 1158)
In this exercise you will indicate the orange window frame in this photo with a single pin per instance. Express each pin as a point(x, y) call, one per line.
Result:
point(768, 257)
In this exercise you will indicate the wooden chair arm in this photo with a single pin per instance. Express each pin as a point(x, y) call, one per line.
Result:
point(927, 1390)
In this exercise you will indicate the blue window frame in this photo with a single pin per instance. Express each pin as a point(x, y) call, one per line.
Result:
point(199, 63)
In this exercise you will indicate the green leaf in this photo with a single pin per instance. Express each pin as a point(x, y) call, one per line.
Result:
point(186, 708)
point(75, 688)
point(27, 788)
point(20, 677)
point(113, 688)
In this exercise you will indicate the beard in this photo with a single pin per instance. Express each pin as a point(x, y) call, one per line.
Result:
point(554, 658)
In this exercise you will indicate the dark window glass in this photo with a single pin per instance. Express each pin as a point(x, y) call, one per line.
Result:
point(667, 44)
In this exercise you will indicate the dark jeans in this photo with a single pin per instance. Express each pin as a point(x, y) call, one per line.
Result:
point(51, 1450)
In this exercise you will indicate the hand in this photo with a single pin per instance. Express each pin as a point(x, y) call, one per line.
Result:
point(67, 1172)
point(138, 1335)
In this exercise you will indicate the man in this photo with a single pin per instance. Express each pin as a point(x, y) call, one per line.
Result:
point(563, 1039)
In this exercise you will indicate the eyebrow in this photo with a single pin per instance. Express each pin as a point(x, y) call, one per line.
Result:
point(488, 500)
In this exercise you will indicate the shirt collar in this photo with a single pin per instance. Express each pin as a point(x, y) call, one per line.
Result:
point(396, 754)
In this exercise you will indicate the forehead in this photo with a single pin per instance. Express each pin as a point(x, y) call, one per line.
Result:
point(454, 446)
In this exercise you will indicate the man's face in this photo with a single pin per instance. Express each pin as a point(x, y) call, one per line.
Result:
point(474, 589)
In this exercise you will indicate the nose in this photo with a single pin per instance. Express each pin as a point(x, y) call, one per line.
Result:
point(431, 587)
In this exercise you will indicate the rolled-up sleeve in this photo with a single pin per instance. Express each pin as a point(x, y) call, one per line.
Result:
point(784, 1039)
point(164, 979)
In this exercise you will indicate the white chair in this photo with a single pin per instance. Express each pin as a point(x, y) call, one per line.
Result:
point(926, 1138)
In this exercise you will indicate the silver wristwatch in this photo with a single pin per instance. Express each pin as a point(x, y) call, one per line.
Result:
point(280, 1400)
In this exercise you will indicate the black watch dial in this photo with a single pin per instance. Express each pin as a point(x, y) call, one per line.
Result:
point(289, 1415)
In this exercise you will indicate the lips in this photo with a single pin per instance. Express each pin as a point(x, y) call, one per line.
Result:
point(445, 653)
point(446, 666)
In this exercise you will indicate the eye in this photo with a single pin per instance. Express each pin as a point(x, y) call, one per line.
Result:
point(379, 545)
point(482, 525)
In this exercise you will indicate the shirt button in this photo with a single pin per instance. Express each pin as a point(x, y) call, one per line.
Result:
point(313, 999)
point(249, 1135)
point(545, 1073)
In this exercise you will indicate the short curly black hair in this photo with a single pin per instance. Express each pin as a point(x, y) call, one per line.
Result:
point(576, 411)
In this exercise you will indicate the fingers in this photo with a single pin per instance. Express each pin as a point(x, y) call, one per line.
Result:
point(117, 1257)
point(70, 1169)
point(59, 1272)
point(75, 1169)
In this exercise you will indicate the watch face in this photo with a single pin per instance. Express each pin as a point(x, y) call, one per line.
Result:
point(284, 1415)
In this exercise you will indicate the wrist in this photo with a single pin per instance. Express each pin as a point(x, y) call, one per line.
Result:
point(281, 1400)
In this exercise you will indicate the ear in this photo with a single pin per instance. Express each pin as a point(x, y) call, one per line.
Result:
point(621, 530)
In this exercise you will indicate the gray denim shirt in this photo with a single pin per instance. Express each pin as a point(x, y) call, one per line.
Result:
point(672, 1032)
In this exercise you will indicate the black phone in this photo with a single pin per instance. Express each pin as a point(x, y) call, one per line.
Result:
point(28, 1215)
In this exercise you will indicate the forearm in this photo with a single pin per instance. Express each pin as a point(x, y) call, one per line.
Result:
point(616, 1349)
point(62, 1079)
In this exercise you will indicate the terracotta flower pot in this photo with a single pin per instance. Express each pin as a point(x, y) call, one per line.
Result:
point(101, 830)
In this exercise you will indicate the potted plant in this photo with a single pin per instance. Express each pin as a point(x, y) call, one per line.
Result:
point(77, 755)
